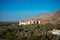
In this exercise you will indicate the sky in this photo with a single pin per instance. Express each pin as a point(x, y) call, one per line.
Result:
point(16, 10)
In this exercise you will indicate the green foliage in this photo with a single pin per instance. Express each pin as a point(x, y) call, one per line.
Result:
point(28, 32)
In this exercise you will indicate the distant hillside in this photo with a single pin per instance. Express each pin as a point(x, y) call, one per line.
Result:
point(52, 18)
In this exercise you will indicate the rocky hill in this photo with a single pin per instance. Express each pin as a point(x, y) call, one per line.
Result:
point(52, 18)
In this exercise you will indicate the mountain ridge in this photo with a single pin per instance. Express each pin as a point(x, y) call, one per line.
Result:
point(52, 18)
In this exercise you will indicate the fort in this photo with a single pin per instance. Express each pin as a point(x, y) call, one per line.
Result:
point(29, 21)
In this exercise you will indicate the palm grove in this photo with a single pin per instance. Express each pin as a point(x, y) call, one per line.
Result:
point(28, 32)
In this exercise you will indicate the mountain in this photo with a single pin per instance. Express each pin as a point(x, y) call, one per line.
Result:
point(56, 17)
point(51, 18)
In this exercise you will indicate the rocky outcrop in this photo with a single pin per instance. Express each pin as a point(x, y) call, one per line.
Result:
point(52, 18)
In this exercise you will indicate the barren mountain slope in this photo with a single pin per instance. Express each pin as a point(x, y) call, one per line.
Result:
point(52, 18)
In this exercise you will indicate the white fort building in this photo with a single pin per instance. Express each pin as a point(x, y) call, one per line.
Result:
point(29, 21)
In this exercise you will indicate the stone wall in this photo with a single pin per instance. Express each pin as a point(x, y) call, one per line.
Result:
point(29, 22)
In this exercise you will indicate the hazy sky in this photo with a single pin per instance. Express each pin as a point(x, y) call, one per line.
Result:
point(15, 10)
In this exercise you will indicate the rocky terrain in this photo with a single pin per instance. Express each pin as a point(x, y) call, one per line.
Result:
point(51, 18)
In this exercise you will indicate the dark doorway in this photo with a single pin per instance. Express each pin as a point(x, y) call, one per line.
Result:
point(37, 22)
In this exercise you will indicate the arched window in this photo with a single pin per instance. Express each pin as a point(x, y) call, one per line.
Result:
point(34, 22)
point(30, 22)
point(37, 22)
